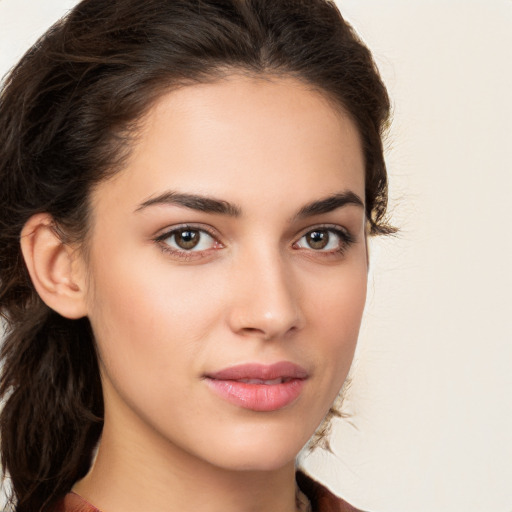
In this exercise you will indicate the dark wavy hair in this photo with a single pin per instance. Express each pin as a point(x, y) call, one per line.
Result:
point(67, 113)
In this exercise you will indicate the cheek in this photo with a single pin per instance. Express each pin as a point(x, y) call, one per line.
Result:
point(334, 316)
point(150, 339)
point(338, 301)
point(146, 318)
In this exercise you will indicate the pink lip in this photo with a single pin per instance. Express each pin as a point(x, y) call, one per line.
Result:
point(265, 396)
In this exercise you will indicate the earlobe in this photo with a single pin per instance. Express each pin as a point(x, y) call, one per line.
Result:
point(52, 267)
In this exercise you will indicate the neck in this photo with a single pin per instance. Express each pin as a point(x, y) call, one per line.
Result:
point(139, 470)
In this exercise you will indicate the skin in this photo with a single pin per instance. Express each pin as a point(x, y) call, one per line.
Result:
point(254, 290)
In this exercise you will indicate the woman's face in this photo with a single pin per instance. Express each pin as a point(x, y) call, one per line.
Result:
point(227, 273)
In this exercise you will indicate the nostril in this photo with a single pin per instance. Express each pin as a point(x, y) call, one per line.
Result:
point(255, 331)
point(269, 333)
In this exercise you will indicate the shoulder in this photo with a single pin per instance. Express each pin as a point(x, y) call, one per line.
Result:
point(74, 503)
point(322, 500)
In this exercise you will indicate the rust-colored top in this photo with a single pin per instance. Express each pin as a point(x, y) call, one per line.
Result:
point(321, 499)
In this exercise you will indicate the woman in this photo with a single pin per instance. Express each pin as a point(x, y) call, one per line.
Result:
point(186, 191)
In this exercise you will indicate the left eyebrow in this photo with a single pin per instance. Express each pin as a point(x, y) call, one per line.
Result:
point(328, 204)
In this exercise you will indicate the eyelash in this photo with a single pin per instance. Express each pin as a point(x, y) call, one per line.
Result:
point(345, 241)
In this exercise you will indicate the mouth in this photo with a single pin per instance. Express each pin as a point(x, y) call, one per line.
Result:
point(272, 382)
point(257, 387)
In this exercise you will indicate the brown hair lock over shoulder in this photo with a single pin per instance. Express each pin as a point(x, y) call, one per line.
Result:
point(67, 111)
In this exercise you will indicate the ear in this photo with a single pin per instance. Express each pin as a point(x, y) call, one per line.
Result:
point(53, 267)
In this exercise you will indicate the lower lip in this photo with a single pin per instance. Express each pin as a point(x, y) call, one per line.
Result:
point(257, 397)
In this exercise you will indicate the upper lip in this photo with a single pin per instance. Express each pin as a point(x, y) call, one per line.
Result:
point(282, 369)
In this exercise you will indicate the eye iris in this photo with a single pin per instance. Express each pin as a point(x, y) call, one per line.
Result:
point(187, 239)
point(317, 239)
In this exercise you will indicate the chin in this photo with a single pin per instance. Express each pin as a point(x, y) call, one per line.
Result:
point(264, 450)
point(265, 460)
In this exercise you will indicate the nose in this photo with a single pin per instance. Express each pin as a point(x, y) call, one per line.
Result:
point(266, 300)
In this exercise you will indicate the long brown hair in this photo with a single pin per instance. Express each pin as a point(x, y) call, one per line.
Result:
point(67, 112)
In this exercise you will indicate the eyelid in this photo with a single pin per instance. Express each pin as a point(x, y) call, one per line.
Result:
point(164, 233)
point(336, 228)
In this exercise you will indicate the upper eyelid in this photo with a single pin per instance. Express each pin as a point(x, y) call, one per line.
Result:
point(326, 227)
point(168, 231)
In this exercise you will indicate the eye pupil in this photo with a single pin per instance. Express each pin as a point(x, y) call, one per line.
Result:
point(187, 239)
point(317, 239)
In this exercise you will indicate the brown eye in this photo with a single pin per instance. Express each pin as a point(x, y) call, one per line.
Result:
point(187, 238)
point(325, 240)
point(317, 239)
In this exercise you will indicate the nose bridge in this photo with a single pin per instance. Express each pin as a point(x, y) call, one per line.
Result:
point(266, 302)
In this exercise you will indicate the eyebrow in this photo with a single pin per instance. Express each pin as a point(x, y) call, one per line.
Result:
point(194, 202)
point(330, 203)
point(212, 205)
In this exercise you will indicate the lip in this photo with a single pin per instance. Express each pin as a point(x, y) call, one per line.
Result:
point(281, 384)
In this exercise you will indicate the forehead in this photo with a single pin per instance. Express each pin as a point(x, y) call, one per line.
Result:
point(240, 138)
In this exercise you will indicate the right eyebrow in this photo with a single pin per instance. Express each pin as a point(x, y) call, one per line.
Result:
point(194, 202)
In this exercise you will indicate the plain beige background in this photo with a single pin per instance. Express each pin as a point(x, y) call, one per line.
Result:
point(431, 401)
